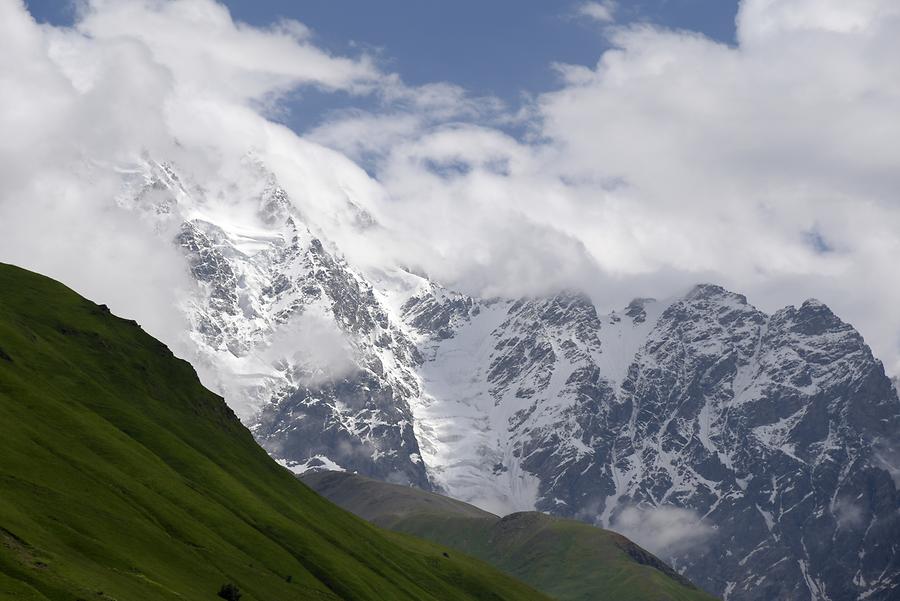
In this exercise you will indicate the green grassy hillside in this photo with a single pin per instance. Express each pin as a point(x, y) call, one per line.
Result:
point(566, 559)
point(122, 478)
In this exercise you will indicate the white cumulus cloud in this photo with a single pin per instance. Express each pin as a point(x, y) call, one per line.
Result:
point(771, 166)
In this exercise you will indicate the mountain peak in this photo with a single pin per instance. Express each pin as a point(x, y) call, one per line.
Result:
point(814, 318)
point(714, 292)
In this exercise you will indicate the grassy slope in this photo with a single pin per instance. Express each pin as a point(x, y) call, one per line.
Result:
point(566, 559)
point(121, 477)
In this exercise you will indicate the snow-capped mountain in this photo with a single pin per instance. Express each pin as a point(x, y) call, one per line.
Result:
point(324, 377)
point(767, 427)
point(773, 437)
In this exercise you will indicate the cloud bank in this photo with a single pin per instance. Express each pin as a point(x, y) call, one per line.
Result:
point(770, 166)
point(177, 81)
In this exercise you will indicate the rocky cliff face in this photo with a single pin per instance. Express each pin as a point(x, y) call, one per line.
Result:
point(766, 436)
point(756, 452)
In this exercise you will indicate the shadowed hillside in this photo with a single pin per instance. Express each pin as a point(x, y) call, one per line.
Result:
point(566, 559)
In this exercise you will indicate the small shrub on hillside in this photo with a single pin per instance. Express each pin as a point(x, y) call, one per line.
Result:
point(230, 592)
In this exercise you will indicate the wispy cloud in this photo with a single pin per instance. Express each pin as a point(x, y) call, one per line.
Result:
point(604, 12)
point(663, 530)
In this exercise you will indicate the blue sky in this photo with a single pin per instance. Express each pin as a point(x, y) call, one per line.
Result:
point(502, 48)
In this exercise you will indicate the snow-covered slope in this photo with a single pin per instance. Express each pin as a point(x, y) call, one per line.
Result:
point(756, 452)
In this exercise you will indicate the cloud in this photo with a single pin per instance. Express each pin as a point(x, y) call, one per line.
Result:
point(730, 156)
point(312, 344)
point(176, 81)
point(56, 209)
point(604, 12)
point(309, 350)
point(848, 514)
point(212, 55)
point(770, 166)
point(663, 530)
point(761, 20)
